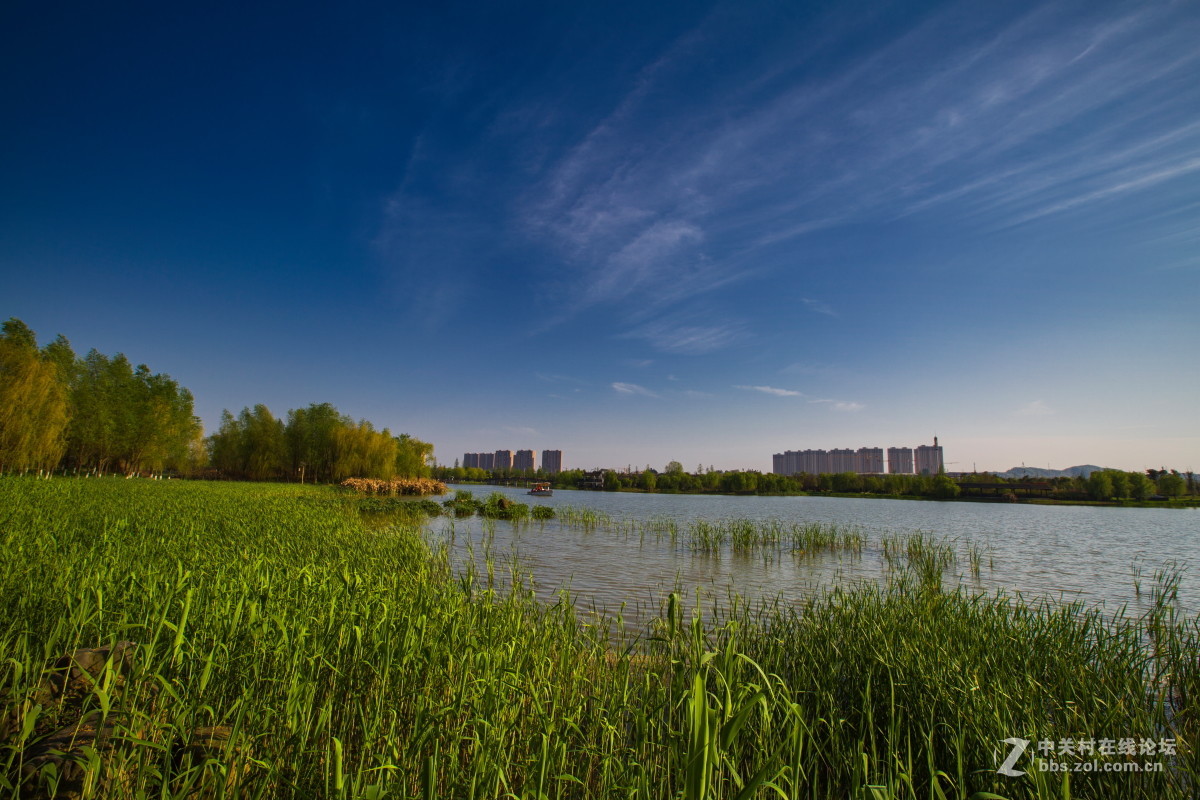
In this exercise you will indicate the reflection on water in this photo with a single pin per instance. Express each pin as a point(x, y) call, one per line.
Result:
point(1096, 555)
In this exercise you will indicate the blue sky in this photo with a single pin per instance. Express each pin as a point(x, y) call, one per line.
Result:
point(634, 232)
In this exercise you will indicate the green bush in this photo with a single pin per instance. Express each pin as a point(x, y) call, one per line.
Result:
point(397, 507)
point(500, 507)
point(463, 504)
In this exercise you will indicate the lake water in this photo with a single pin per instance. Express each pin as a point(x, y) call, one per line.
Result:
point(1095, 555)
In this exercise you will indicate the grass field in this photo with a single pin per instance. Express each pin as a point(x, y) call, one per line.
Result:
point(287, 644)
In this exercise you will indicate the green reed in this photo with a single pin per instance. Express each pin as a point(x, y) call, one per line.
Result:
point(586, 518)
point(287, 650)
point(751, 536)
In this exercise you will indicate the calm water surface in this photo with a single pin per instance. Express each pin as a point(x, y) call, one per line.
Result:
point(1096, 555)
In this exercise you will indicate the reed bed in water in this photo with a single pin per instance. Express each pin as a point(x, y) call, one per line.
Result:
point(927, 556)
point(395, 486)
point(743, 535)
point(282, 649)
point(572, 517)
point(711, 536)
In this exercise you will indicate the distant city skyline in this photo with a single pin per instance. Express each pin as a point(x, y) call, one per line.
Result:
point(924, 460)
point(520, 461)
point(638, 232)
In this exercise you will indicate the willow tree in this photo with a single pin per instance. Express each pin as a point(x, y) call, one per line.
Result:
point(252, 445)
point(162, 427)
point(311, 437)
point(264, 453)
point(412, 457)
point(224, 446)
point(96, 405)
point(33, 403)
point(129, 418)
point(363, 452)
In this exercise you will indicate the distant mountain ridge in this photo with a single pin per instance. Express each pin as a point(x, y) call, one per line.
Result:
point(1081, 471)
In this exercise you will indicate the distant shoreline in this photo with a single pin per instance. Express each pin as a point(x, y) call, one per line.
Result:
point(1175, 503)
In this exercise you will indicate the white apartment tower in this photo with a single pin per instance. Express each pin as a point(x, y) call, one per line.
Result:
point(868, 461)
point(841, 460)
point(900, 460)
point(929, 459)
point(525, 461)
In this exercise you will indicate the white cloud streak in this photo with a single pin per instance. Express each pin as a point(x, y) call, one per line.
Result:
point(840, 405)
point(521, 430)
point(771, 390)
point(818, 307)
point(1035, 408)
point(836, 405)
point(632, 389)
point(682, 336)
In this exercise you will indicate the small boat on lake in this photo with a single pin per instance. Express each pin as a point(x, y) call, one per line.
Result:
point(541, 490)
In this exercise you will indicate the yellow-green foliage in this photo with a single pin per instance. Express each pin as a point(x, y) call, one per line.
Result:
point(33, 409)
point(318, 444)
point(363, 451)
point(91, 414)
point(284, 650)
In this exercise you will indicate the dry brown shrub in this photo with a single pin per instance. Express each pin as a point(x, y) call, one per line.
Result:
point(396, 486)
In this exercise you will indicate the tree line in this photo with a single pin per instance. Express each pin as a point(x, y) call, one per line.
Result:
point(1105, 485)
point(674, 480)
point(1113, 484)
point(317, 444)
point(94, 414)
point(101, 414)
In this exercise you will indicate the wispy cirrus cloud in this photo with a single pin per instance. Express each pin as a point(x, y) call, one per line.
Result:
point(897, 132)
point(688, 184)
point(632, 389)
point(548, 377)
point(682, 335)
point(1140, 180)
point(771, 390)
point(521, 430)
point(841, 405)
point(836, 405)
point(818, 307)
point(1034, 408)
point(661, 247)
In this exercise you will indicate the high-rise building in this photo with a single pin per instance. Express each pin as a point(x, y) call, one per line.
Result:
point(793, 462)
point(503, 459)
point(900, 460)
point(551, 461)
point(786, 463)
point(487, 461)
point(929, 459)
point(868, 461)
point(841, 460)
point(814, 462)
point(525, 460)
point(470, 460)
